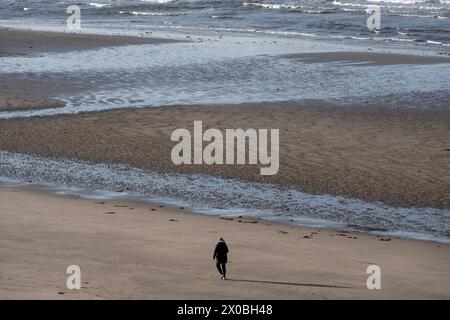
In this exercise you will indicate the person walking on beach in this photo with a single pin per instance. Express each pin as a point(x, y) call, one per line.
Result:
point(220, 255)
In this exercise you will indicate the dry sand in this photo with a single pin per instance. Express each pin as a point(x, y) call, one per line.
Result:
point(398, 157)
point(128, 251)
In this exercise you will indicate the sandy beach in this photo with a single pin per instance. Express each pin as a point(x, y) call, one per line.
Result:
point(133, 250)
point(144, 251)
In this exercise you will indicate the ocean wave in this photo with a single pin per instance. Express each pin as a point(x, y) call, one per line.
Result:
point(149, 13)
point(119, 3)
point(399, 1)
point(98, 5)
point(280, 6)
point(415, 15)
point(408, 1)
point(158, 1)
point(435, 42)
point(349, 4)
point(274, 6)
point(393, 4)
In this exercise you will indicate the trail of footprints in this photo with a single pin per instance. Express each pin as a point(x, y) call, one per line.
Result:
point(241, 219)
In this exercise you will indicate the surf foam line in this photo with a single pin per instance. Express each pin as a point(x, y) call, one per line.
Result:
point(225, 197)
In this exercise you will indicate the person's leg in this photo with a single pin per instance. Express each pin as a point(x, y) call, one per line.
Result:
point(224, 269)
point(218, 268)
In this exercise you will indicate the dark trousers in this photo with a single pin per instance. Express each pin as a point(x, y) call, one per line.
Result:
point(221, 267)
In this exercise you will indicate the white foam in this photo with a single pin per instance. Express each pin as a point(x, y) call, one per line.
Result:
point(98, 5)
point(275, 6)
point(150, 13)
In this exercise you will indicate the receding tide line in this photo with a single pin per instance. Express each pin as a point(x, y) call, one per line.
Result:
point(216, 196)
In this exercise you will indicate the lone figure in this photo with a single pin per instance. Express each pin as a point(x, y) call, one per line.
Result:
point(220, 255)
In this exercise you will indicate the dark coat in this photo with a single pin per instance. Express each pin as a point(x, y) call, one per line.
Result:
point(220, 252)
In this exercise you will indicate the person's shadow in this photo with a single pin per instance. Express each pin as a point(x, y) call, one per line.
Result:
point(292, 283)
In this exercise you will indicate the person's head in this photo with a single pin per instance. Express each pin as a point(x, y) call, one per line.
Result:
point(221, 239)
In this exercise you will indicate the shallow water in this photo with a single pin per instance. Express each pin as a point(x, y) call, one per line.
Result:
point(231, 69)
point(216, 196)
point(233, 56)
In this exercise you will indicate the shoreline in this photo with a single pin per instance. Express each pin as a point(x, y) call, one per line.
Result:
point(195, 209)
point(211, 195)
point(110, 240)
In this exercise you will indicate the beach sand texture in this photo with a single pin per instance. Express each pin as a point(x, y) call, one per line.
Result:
point(142, 251)
point(149, 251)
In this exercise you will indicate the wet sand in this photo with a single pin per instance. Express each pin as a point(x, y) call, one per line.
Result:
point(39, 91)
point(144, 251)
point(396, 157)
point(16, 102)
point(366, 58)
point(24, 42)
point(25, 91)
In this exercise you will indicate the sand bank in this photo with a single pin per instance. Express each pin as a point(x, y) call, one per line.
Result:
point(24, 42)
point(392, 156)
point(367, 58)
